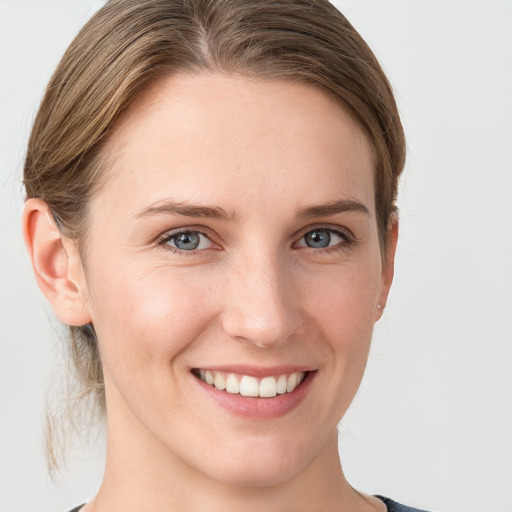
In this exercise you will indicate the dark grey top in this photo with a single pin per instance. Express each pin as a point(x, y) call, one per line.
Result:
point(392, 506)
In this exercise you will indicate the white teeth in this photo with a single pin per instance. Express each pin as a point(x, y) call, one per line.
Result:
point(268, 387)
point(281, 384)
point(220, 381)
point(232, 384)
point(292, 382)
point(247, 385)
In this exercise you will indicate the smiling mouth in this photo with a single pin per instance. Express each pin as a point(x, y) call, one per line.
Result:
point(249, 386)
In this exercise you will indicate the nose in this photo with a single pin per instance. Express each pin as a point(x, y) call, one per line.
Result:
point(261, 307)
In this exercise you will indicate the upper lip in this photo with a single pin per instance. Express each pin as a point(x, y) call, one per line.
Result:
point(257, 371)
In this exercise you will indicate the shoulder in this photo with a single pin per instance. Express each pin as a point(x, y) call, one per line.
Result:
point(393, 506)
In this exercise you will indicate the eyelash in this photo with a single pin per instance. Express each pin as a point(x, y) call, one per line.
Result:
point(348, 240)
point(167, 237)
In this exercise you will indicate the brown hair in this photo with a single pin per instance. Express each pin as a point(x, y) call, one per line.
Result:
point(129, 44)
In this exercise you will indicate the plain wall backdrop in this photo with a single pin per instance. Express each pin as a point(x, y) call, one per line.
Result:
point(432, 423)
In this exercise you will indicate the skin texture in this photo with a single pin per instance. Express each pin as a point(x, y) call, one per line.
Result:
point(254, 293)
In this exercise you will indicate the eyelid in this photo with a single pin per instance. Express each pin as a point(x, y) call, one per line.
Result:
point(344, 231)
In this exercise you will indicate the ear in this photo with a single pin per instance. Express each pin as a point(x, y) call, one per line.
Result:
point(388, 267)
point(56, 262)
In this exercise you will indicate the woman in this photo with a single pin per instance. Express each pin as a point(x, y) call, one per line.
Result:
point(211, 209)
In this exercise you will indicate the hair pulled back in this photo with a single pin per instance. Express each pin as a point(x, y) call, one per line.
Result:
point(129, 44)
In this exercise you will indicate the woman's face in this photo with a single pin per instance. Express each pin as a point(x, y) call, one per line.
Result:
point(234, 240)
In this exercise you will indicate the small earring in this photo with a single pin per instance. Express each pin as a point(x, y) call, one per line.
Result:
point(379, 306)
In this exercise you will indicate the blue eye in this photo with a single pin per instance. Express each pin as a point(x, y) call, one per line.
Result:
point(322, 238)
point(188, 241)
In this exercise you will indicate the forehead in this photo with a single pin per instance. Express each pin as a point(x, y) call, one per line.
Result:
point(245, 142)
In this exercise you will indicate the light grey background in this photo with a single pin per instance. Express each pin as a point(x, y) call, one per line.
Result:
point(432, 423)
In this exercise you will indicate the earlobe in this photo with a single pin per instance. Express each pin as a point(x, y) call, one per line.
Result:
point(388, 267)
point(56, 264)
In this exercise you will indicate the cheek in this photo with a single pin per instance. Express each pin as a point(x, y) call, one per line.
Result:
point(344, 311)
point(347, 295)
point(146, 318)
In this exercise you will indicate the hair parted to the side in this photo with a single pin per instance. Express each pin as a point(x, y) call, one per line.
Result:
point(129, 44)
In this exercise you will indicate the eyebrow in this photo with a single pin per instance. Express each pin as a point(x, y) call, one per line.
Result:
point(188, 210)
point(216, 212)
point(333, 208)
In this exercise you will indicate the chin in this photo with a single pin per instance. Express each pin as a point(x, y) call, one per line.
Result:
point(265, 466)
point(257, 475)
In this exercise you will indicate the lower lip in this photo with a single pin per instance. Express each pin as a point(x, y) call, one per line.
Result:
point(258, 407)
